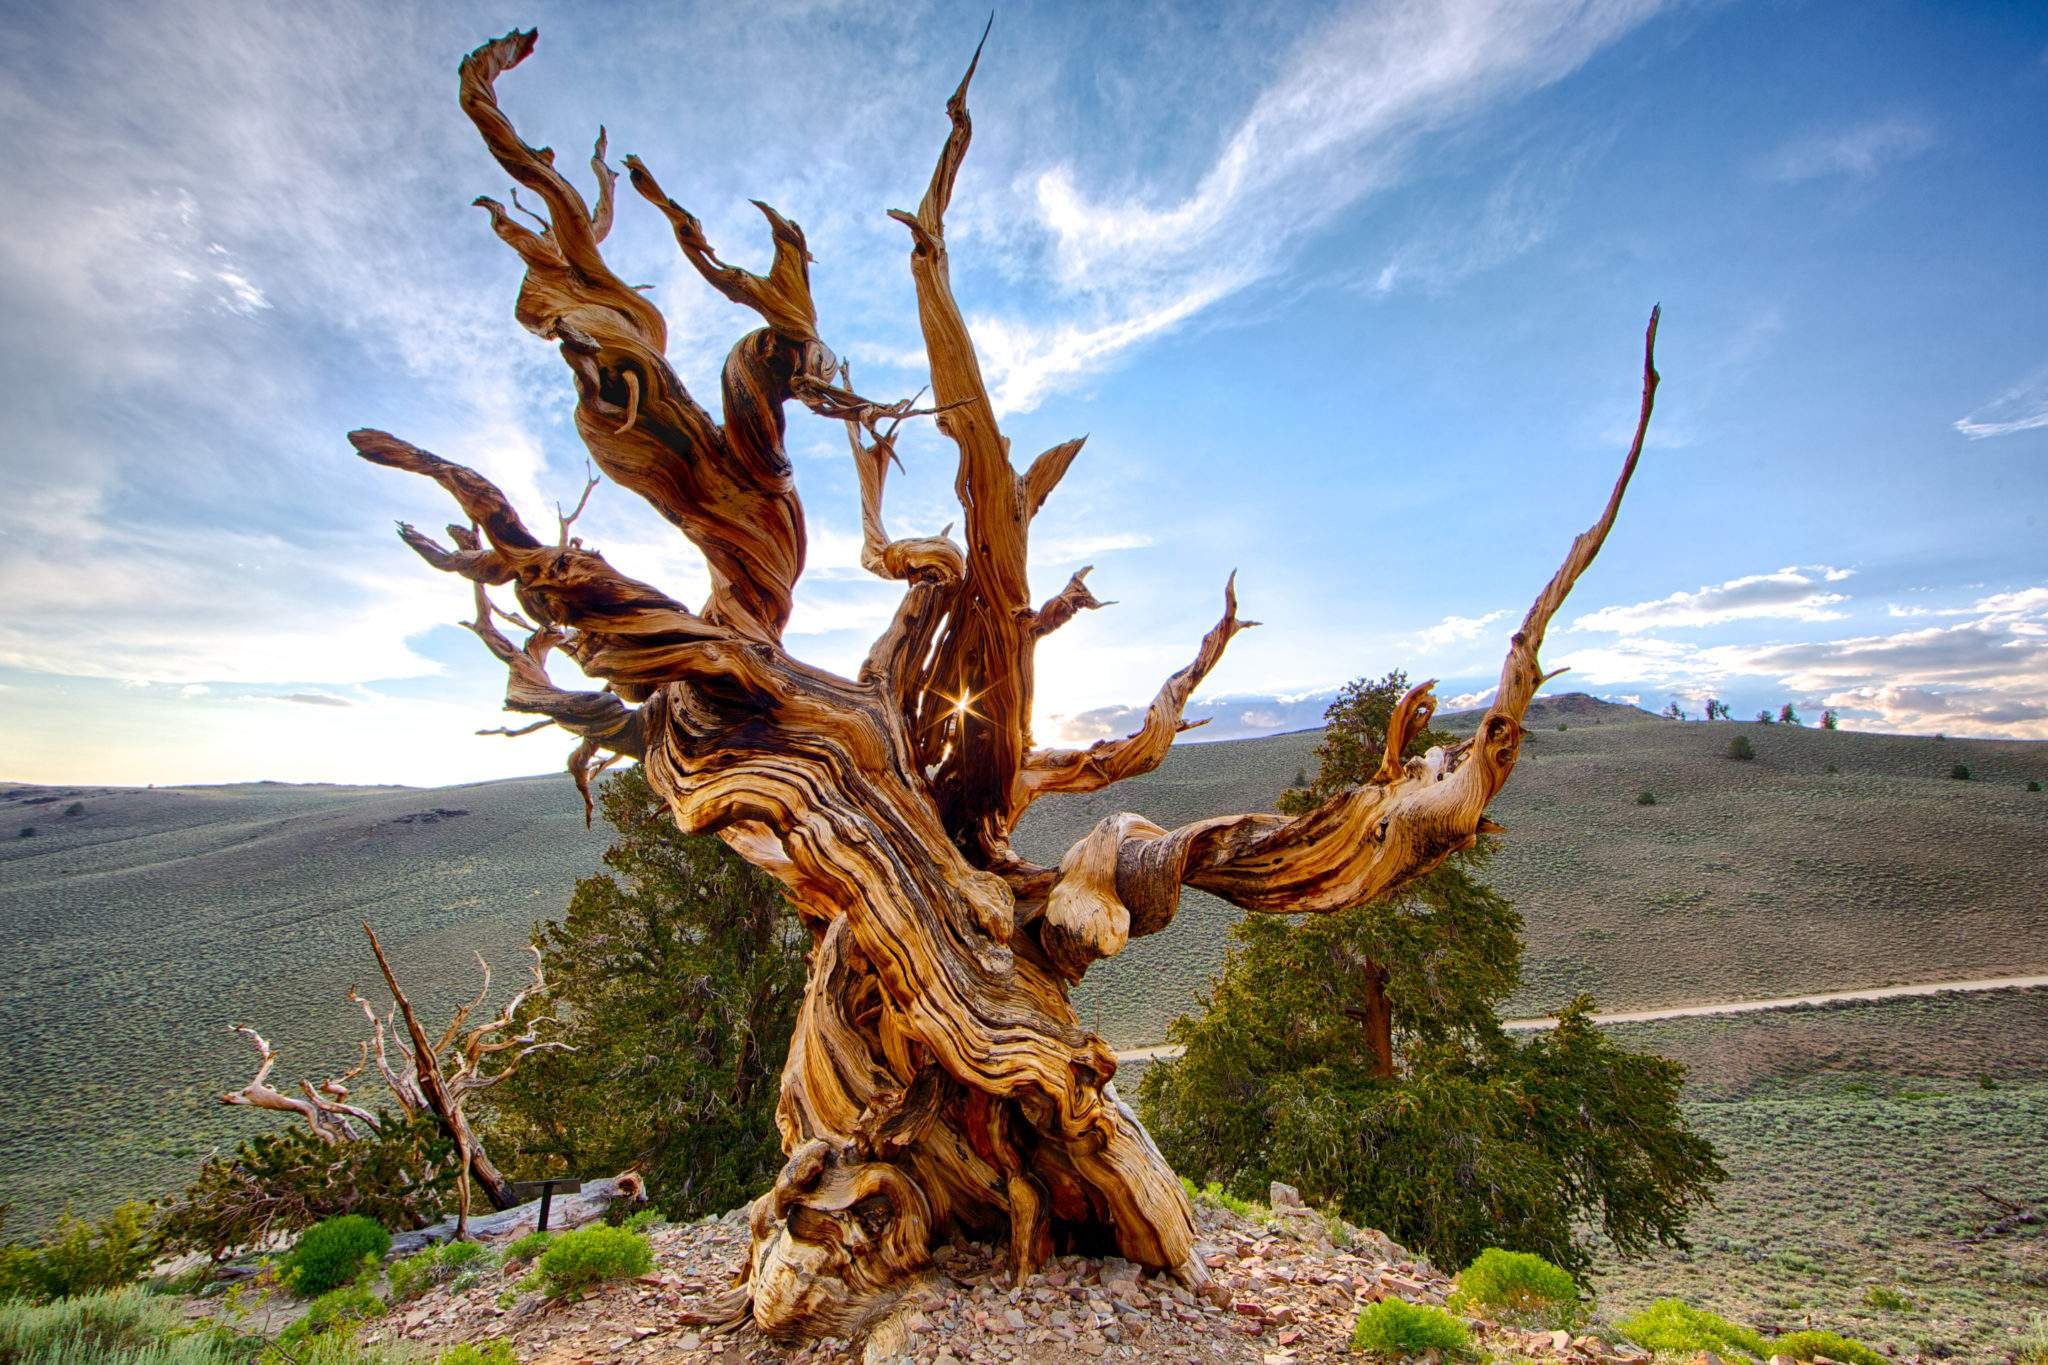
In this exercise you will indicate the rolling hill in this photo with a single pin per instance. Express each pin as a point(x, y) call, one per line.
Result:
point(143, 922)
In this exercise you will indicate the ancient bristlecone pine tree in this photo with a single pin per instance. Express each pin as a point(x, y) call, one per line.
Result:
point(938, 1079)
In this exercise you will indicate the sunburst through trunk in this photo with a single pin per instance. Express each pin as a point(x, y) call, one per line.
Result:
point(939, 1079)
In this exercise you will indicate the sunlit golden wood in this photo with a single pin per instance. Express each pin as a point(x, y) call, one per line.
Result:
point(939, 1079)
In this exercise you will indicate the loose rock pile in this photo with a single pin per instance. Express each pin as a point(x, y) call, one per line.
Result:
point(1285, 1289)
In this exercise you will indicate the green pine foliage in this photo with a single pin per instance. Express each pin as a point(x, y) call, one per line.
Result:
point(576, 1261)
point(1395, 1327)
point(1477, 1139)
point(401, 1176)
point(677, 975)
point(332, 1253)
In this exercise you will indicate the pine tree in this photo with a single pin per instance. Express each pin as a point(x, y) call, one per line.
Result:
point(677, 976)
point(1360, 1057)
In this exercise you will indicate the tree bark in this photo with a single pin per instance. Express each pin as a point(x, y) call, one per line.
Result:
point(939, 1081)
point(1376, 1017)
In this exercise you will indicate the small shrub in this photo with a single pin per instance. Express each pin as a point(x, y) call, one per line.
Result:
point(1214, 1193)
point(79, 1256)
point(498, 1352)
point(412, 1276)
point(1833, 1345)
point(527, 1247)
point(643, 1220)
point(331, 1254)
point(1646, 798)
point(1674, 1325)
point(2033, 786)
point(1520, 1287)
point(1740, 748)
point(1960, 773)
point(588, 1256)
point(1395, 1327)
point(74, 810)
point(1888, 1300)
point(89, 1327)
point(352, 1303)
point(27, 832)
point(420, 1272)
point(1562, 728)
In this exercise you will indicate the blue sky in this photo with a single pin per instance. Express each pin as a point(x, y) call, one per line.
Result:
point(1349, 298)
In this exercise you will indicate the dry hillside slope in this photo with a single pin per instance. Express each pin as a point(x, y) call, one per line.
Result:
point(147, 922)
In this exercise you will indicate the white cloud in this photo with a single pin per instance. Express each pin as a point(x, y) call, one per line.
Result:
point(1985, 675)
point(1790, 594)
point(2023, 407)
point(1453, 630)
point(1858, 152)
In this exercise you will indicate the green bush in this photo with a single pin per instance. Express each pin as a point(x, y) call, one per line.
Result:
point(1520, 1287)
point(2033, 786)
point(527, 1247)
point(337, 1308)
point(1646, 798)
point(1890, 1300)
point(1961, 772)
point(1674, 1325)
point(79, 1257)
point(643, 1220)
point(331, 1254)
point(1833, 1345)
point(124, 1327)
point(1740, 748)
point(498, 1352)
point(577, 1260)
point(1395, 1327)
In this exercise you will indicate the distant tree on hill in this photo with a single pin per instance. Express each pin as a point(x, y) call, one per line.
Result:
point(1360, 1056)
point(677, 975)
point(1763, 718)
point(1717, 709)
point(1788, 716)
point(1828, 719)
point(1674, 711)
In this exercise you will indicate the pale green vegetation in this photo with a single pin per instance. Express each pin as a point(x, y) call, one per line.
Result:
point(1519, 1287)
point(580, 1260)
point(1395, 1327)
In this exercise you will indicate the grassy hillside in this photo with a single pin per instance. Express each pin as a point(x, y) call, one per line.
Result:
point(1859, 1142)
point(145, 924)
point(141, 927)
point(1744, 880)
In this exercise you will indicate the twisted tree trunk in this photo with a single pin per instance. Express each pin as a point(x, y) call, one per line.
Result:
point(939, 1079)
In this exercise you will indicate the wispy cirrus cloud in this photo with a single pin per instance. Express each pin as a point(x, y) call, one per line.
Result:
point(1794, 593)
point(1340, 120)
point(2023, 407)
point(1855, 153)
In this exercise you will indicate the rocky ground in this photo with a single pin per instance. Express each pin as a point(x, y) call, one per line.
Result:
point(1283, 1291)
